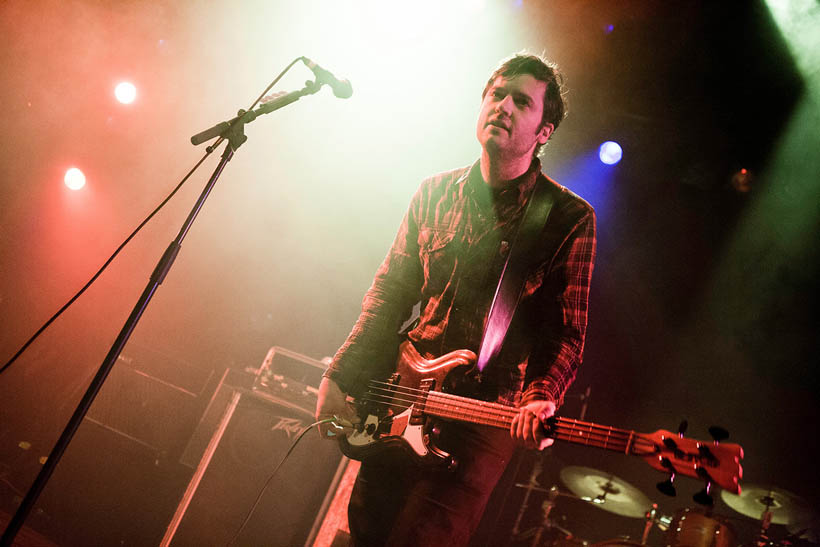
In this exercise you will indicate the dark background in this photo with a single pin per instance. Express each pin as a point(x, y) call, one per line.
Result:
point(702, 306)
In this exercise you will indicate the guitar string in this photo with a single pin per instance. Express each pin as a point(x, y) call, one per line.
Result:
point(483, 407)
point(488, 412)
point(447, 402)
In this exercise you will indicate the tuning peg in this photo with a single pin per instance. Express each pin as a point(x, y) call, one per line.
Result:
point(703, 497)
point(684, 425)
point(706, 455)
point(666, 487)
point(718, 433)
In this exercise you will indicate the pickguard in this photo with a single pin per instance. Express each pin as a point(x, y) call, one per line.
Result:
point(371, 432)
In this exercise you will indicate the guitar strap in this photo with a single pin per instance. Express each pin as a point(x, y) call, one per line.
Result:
point(511, 283)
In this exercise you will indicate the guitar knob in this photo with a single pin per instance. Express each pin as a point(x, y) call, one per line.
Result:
point(684, 425)
point(718, 433)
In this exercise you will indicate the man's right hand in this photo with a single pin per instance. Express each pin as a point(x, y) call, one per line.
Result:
point(331, 402)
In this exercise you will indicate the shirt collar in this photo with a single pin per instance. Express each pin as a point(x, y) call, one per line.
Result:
point(516, 191)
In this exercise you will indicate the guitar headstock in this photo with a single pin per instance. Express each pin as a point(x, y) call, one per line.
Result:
point(713, 462)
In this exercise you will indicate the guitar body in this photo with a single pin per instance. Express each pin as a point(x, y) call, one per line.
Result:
point(394, 421)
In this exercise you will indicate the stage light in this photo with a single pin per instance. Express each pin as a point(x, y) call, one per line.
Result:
point(74, 178)
point(610, 152)
point(742, 180)
point(125, 92)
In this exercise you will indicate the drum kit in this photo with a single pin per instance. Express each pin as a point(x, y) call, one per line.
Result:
point(690, 527)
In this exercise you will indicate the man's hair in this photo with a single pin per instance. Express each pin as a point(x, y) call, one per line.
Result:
point(542, 70)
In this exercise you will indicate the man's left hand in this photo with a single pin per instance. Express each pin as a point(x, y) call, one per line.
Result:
point(526, 427)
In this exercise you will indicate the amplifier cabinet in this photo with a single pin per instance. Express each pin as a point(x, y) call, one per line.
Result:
point(240, 440)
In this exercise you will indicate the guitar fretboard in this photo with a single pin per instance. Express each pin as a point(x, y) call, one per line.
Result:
point(453, 407)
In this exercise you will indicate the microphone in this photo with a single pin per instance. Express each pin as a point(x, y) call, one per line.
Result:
point(341, 88)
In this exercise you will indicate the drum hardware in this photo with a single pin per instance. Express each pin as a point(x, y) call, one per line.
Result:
point(547, 524)
point(650, 521)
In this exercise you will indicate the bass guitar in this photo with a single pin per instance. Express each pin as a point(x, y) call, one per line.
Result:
point(395, 420)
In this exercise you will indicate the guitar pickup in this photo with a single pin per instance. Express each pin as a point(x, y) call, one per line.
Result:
point(420, 400)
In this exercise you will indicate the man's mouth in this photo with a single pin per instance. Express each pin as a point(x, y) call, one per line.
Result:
point(499, 124)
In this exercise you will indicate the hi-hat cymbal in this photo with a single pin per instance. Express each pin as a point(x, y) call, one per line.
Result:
point(606, 491)
point(754, 500)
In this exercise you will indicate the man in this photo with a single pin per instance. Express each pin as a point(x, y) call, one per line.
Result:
point(448, 257)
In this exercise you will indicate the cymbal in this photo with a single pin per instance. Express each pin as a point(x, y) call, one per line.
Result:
point(606, 491)
point(786, 508)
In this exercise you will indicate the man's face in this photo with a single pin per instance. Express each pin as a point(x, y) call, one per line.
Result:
point(509, 123)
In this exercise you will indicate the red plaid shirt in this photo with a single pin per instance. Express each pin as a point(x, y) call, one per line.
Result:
point(448, 257)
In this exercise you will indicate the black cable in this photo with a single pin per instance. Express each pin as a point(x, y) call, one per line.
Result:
point(162, 204)
point(273, 474)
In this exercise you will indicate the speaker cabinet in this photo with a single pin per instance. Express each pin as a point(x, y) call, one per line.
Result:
point(242, 437)
point(153, 399)
point(108, 490)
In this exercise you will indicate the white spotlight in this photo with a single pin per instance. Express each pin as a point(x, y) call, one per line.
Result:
point(125, 92)
point(74, 178)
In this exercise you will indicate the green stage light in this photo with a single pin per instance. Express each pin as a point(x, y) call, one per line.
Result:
point(798, 21)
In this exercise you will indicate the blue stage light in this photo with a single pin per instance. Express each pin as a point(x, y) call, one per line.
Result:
point(610, 152)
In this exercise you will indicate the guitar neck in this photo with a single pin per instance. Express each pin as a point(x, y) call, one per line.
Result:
point(463, 409)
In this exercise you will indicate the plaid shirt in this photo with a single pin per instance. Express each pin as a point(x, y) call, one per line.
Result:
point(448, 257)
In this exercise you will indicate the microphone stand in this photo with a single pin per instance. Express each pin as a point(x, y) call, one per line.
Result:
point(233, 131)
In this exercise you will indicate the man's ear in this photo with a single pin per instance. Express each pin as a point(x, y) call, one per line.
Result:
point(545, 132)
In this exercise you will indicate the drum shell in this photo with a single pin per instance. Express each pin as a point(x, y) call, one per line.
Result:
point(695, 528)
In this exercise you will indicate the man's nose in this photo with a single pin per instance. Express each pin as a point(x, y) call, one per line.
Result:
point(505, 105)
